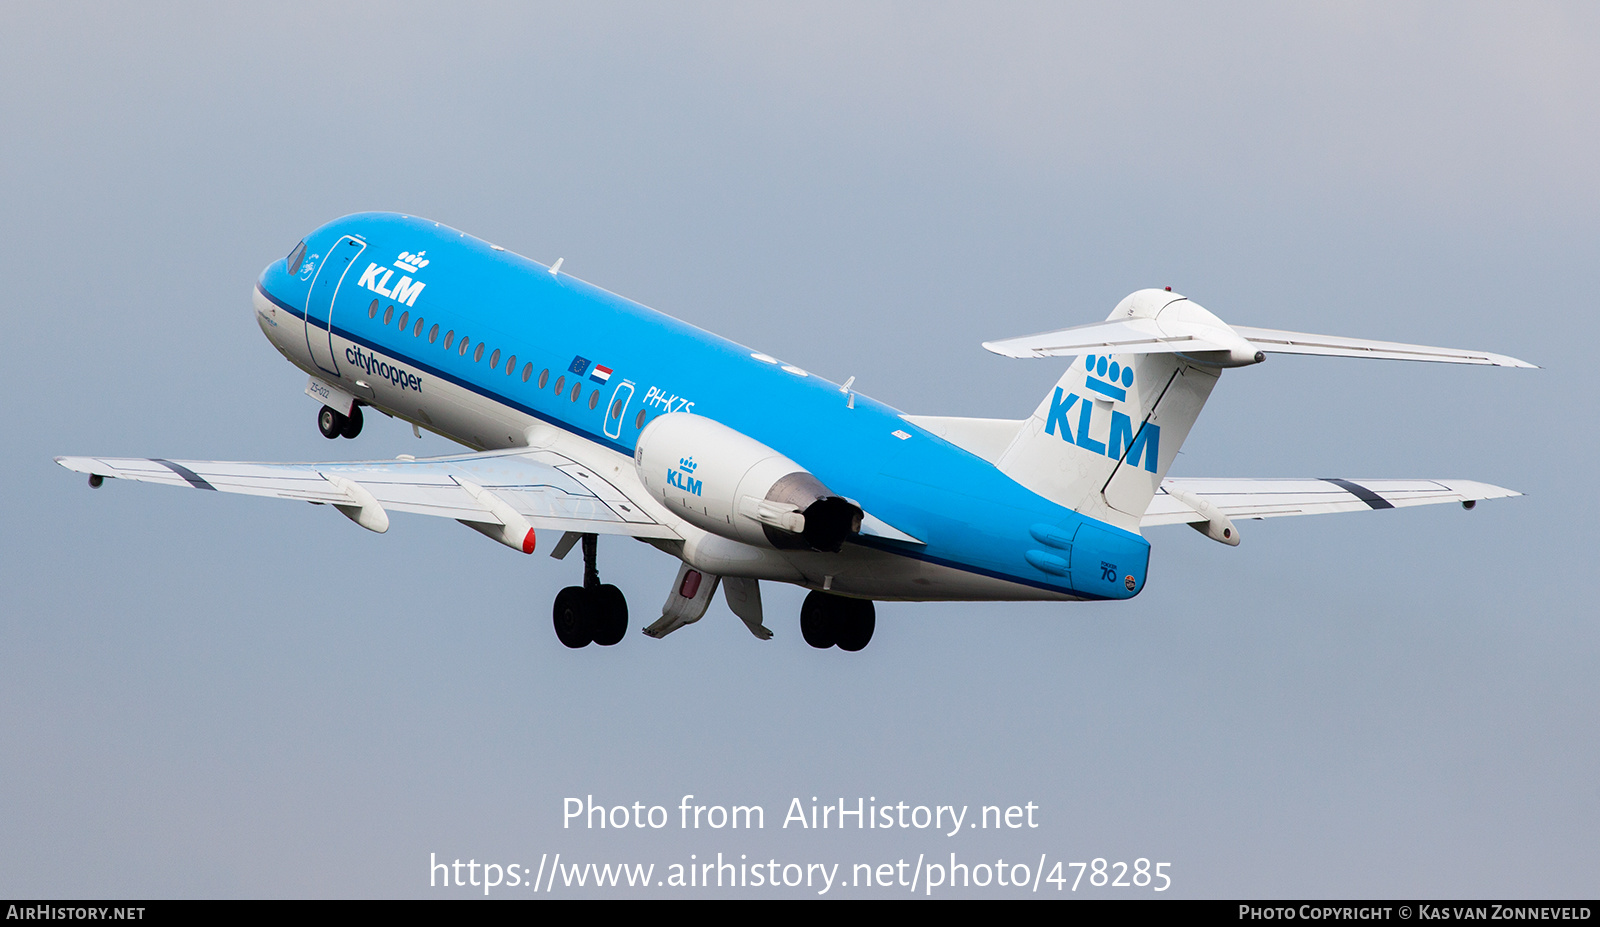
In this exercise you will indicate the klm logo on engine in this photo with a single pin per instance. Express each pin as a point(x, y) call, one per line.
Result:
point(1111, 381)
point(683, 477)
point(376, 278)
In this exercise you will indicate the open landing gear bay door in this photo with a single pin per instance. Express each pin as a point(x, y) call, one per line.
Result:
point(512, 491)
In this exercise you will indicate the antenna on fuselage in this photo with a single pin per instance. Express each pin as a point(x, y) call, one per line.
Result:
point(556, 267)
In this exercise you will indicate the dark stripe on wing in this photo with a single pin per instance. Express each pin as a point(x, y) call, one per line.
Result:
point(195, 479)
point(1361, 492)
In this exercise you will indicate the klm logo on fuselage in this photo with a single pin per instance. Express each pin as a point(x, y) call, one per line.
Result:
point(376, 278)
point(1111, 381)
point(683, 477)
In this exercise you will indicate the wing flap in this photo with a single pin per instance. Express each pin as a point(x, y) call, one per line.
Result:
point(1252, 498)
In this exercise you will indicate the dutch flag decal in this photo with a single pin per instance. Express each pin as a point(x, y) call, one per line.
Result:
point(600, 374)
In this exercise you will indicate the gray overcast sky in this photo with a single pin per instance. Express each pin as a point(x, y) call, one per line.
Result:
point(205, 696)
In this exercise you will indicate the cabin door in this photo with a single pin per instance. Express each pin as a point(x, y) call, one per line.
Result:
point(319, 305)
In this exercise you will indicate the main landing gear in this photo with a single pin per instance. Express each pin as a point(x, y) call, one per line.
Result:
point(335, 424)
point(590, 613)
point(827, 620)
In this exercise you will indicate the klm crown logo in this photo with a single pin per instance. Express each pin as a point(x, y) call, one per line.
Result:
point(1107, 377)
point(411, 263)
point(1111, 380)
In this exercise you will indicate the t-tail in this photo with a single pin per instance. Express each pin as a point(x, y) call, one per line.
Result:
point(1103, 439)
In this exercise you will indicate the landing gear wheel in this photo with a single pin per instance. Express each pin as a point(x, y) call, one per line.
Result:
point(574, 617)
point(854, 625)
point(817, 624)
point(834, 620)
point(352, 424)
point(610, 614)
point(330, 422)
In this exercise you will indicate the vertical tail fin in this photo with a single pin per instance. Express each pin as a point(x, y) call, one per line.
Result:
point(1104, 437)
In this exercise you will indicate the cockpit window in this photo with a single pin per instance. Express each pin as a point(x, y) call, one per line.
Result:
point(295, 257)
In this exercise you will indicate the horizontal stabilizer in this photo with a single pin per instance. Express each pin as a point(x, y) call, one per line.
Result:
point(1127, 336)
point(1151, 336)
point(1247, 498)
point(1278, 342)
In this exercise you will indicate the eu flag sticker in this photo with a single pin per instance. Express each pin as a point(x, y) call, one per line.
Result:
point(579, 365)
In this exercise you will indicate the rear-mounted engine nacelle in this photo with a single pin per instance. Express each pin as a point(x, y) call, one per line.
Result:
point(737, 487)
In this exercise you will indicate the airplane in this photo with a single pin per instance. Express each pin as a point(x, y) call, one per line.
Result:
point(589, 414)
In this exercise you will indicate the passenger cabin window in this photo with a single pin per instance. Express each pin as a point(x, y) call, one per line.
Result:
point(388, 314)
point(511, 365)
point(449, 336)
point(544, 377)
point(561, 383)
point(594, 399)
point(417, 331)
point(404, 317)
point(463, 349)
point(478, 354)
point(616, 410)
point(295, 258)
point(527, 372)
point(494, 359)
point(433, 334)
point(638, 420)
point(577, 390)
point(372, 310)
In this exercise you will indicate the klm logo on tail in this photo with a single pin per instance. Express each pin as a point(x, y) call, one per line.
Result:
point(1111, 381)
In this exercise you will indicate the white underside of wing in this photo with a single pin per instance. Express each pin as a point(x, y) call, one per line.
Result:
point(1251, 498)
point(551, 491)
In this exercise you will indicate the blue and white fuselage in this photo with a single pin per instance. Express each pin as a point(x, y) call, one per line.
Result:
point(589, 414)
point(492, 350)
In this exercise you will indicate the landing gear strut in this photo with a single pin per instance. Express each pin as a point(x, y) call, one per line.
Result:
point(335, 424)
point(592, 612)
point(834, 620)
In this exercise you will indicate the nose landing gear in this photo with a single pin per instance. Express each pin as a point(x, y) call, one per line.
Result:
point(591, 613)
point(335, 424)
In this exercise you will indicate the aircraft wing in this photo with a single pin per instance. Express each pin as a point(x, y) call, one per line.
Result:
point(1175, 501)
point(504, 494)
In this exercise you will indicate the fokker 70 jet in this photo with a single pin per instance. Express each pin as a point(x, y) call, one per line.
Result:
point(588, 414)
